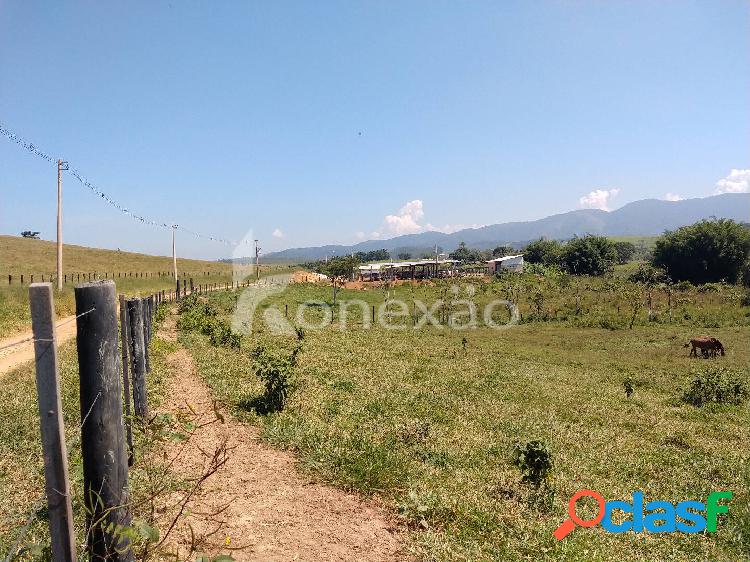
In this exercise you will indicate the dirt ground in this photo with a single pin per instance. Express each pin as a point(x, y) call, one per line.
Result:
point(19, 349)
point(307, 277)
point(257, 499)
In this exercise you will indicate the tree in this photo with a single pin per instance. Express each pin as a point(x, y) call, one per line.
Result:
point(501, 251)
point(651, 277)
point(404, 256)
point(546, 252)
point(589, 255)
point(625, 251)
point(465, 254)
point(374, 255)
point(30, 234)
point(705, 252)
point(339, 269)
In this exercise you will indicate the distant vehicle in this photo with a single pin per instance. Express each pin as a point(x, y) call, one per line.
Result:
point(30, 234)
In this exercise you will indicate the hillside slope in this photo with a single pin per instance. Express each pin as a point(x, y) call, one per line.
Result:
point(23, 255)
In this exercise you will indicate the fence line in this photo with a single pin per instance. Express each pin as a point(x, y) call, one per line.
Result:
point(106, 370)
point(80, 276)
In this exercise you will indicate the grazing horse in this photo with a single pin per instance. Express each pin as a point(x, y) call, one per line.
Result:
point(706, 345)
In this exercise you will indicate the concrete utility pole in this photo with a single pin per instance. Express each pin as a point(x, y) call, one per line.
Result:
point(257, 262)
point(174, 252)
point(60, 167)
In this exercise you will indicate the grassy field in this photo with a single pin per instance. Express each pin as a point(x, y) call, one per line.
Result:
point(428, 419)
point(38, 257)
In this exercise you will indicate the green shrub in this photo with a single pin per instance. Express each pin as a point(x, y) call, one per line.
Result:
point(719, 385)
point(220, 333)
point(203, 316)
point(535, 462)
point(275, 370)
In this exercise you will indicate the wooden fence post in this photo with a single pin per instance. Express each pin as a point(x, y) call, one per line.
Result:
point(138, 358)
point(144, 310)
point(105, 463)
point(57, 484)
point(124, 339)
point(191, 286)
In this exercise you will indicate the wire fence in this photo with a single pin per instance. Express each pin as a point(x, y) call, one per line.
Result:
point(124, 209)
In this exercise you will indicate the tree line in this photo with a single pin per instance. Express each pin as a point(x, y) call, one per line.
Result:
point(708, 251)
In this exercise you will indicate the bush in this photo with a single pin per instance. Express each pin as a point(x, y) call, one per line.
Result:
point(545, 252)
point(202, 316)
point(220, 333)
point(648, 275)
point(535, 462)
point(719, 385)
point(590, 255)
point(705, 251)
point(275, 370)
point(625, 252)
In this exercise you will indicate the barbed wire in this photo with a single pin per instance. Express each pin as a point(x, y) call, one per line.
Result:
point(31, 338)
point(77, 174)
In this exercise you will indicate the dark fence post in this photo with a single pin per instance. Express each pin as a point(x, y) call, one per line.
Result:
point(124, 339)
point(105, 463)
point(57, 484)
point(138, 358)
point(191, 286)
point(178, 289)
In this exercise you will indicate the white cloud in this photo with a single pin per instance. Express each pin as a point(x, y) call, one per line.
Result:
point(406, 221)
point(598, 199)
point(672, 197)
point(738, 181)
point(277, 233)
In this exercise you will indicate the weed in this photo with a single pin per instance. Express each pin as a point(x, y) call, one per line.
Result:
point(719, 385)
point(628, 386)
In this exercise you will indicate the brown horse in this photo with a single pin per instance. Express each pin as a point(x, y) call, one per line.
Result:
point(706, 345)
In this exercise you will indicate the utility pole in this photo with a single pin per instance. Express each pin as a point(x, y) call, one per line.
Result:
point(257, 262)
point(174, 252)
point(60, 167)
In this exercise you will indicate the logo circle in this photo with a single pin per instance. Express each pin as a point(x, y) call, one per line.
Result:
point(572, 508)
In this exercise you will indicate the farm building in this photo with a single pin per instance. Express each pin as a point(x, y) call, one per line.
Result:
point(508, 263)
point(422, 269)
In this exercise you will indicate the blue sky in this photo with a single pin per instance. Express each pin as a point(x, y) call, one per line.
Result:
point(328, 122)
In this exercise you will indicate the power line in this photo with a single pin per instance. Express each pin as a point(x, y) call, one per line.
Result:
point(35, 150)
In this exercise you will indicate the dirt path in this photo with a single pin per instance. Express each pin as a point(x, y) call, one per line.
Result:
point(19, 349)
point(278, 513)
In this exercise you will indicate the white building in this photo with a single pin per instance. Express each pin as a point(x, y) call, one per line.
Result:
point(509, 263)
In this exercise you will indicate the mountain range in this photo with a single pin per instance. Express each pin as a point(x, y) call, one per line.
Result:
point(647, 217)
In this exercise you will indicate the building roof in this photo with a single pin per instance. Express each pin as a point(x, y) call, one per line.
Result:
point(505, 258)
point(391, 265)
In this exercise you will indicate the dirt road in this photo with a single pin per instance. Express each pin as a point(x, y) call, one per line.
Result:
point(19, 349)
point(262, 502)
